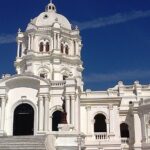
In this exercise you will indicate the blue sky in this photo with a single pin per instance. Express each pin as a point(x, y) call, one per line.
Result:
point(115, 36)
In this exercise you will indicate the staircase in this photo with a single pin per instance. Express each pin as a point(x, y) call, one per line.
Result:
point(22, 143)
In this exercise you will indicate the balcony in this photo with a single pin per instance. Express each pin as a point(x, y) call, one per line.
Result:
point(102, 136)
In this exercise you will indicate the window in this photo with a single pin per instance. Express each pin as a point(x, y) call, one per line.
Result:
point(62, 48)
point(41, 48)
point(45, 16)
point(43, 75)
point(124, 130)
point(47, 47)
point(65, 77)
point(100, 123)
point(67, 50)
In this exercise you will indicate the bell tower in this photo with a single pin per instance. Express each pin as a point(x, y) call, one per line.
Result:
point(50, 48)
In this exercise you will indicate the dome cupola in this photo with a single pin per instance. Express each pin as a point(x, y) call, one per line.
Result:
point(48, 18)
point(50, 7)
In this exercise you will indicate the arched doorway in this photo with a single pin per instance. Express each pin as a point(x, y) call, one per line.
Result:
point(23, 120)
point(56, 120)
point(100, 123)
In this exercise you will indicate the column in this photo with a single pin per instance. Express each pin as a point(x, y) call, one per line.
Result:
point(32, 42)
point(88, 108)
point(117, 122)
point(77, 48)
point(18, 50)
point(29, 42)
point(54, 40)
point(3, 104)
point(77, 111)
point(107, 125)
point(46, 112)
point(78, 107)
point(73, 110)
point(92, 122)
point(59, 42)
point(57, 37)
point(68, 108)
point(111, 119)
point(137, 127)
point(143, 127)
point(74, 45)
point(41, 113)
point(50, 123)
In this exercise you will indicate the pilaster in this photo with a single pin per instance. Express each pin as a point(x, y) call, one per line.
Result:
point(2, 121)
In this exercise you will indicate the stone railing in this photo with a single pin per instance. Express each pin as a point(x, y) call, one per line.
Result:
point(124, 140)
point(58, 83)
point(101, 136)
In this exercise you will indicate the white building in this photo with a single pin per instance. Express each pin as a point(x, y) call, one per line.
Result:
point(49, 72)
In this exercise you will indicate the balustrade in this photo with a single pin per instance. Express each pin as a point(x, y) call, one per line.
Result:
point(125, 140)
point(101, 135)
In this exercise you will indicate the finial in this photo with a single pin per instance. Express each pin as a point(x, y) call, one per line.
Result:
point(19, 30)
point(51, 1)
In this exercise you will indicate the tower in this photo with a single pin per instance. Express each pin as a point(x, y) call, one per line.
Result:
point(50, 48)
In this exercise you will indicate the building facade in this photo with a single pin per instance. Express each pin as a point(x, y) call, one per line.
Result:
point(49, 75)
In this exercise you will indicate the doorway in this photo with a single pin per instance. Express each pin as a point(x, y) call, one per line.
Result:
point(23, 120)
point(56, 120)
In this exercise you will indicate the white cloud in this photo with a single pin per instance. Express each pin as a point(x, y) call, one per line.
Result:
point(7, 38)
point(117, 76)
point(114, 19)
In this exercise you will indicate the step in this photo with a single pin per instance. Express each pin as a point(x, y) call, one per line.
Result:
point(22, 143)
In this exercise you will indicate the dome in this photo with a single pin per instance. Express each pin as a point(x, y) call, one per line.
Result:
point(49, 17)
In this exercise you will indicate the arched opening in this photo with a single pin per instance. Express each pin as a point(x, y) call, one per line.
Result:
point(67, 50)
point(47, 47)
point(65, 77)
point(41, 47)
point(124, 130)
point(100, 123)
point(62, 48)
point(56, 120)
point(23, 120)
point(43, 75)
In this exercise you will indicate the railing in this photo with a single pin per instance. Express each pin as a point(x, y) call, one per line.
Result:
point(101, 135)
point(125, 140)
point(58, 83)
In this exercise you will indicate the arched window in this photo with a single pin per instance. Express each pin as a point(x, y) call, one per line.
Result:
point(43, 75)
point(62, 48)
point(124, 130)
point(41, 47)
point(66, 49)
point(100, 123)
point(57, 115)
point(47, 46)
point(65, 77)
